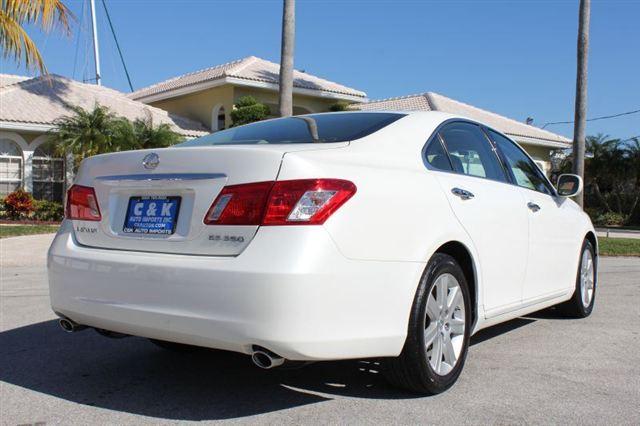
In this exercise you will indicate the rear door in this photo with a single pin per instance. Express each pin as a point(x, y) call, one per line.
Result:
point(492, 211)
point(553, 238)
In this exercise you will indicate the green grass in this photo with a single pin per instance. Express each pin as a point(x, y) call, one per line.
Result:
point(17, 230)
point(619, 246)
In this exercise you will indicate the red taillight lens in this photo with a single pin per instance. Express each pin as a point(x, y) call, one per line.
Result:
point(307, 201)
point(289, 202)
point(239, 205)
point(82, 204)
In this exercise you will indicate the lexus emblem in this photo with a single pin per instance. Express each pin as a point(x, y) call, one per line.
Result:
point(151, 161)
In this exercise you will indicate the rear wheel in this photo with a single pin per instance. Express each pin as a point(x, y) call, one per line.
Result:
point(438, 337)
point(581, 303)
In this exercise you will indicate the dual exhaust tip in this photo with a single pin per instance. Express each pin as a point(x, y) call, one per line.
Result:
point(70, 326)
point(266, 359)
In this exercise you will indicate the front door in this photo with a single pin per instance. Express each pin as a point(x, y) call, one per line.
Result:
point(553, 255)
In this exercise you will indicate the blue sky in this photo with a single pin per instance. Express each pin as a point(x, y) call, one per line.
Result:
point(513, 57)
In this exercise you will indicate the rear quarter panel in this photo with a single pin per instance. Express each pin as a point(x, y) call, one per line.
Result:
point(399, 212)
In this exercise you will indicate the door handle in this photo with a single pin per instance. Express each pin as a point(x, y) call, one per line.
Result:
point(533, 206)
point(462, 193)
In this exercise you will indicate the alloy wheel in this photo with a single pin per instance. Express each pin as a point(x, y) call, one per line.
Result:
point(445, 324)
point(587, 275)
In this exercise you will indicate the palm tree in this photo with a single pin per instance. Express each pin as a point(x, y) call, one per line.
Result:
point(286, 58)
point(16, 14)
point(87, 133)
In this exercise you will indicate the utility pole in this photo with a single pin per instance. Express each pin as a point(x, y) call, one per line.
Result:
point(580, 120)
point(96, 50)
point(286, 58)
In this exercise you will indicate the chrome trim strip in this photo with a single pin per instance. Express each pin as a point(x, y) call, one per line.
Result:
point(161, 176)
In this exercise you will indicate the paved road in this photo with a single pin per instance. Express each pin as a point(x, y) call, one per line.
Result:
point(540, 369)
point(618, 233)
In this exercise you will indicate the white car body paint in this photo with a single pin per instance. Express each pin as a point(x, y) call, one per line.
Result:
point(339, 290)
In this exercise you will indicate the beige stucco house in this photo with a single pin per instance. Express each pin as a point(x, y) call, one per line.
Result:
point(195, 104)
point(209, 95)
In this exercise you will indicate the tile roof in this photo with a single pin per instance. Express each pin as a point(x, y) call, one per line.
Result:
point(42, 100)
point(250, 69)
point(7, 79)
point(431, 101)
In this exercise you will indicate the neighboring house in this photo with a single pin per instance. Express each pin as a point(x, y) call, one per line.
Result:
point(29, 108)
point(537, 142)
point(209, 95)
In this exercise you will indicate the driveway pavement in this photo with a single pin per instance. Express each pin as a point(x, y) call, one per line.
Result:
point(541, 369)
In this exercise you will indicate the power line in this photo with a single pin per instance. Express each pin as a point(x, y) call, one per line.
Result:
point(80, 29)
point(117, 45)
point(604, 117)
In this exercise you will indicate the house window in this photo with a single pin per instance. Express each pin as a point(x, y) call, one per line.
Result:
point(221, 119)
point(48, 174)
point(218, 118)
point(11, 166)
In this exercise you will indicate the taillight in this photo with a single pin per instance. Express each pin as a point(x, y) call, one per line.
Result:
point(239, 205)
point(307, 201)
point(289, 202)
point(82, 204)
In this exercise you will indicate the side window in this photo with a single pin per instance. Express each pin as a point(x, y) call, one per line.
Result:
point(470, 152)
point(525, 171)
point(436, 156)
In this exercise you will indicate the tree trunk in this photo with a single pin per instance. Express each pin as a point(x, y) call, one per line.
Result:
point(581, 94)
point(286, 59)
point(601, 198)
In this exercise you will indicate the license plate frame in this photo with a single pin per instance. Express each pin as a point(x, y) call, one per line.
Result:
point(146, 223)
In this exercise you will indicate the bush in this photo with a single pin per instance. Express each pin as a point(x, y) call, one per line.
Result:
point(18, 205)
point(339, 106)
point(610, 219)
point(48, 211)
point(248, 110)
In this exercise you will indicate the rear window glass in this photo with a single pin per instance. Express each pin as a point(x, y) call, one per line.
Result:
point(339, 127)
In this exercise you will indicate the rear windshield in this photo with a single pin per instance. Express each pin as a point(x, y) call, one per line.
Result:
point(338, 127)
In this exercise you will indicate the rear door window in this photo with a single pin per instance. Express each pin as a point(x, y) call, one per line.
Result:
point(470, 152)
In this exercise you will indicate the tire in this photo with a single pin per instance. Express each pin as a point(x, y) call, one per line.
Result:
point(417, 368)
point(581, 303)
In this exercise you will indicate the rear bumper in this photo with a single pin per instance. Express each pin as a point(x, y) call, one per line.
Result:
point(291, 291)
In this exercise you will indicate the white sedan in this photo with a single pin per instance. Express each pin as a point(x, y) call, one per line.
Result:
point(322, 237)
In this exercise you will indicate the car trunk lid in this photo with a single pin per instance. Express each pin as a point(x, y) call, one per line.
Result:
point(135, 189)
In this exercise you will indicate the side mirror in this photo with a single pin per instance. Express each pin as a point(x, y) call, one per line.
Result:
point(569, 185)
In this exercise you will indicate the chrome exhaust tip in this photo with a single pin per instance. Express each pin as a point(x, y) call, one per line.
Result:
point(69, 326)
point(266, 359)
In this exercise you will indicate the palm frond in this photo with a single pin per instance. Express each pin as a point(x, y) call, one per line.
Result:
point(16, 42)
point(16, 14)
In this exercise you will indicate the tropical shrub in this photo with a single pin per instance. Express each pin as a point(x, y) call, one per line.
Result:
point(18, 205)
point(48, 211)
point(248, 110)
point(142, 134)
point(339, 106)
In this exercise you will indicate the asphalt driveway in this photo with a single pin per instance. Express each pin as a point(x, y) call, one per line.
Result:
point(540, 369)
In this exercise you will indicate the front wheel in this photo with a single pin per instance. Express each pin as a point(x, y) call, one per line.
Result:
point(581, 303)
point(438, 334)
